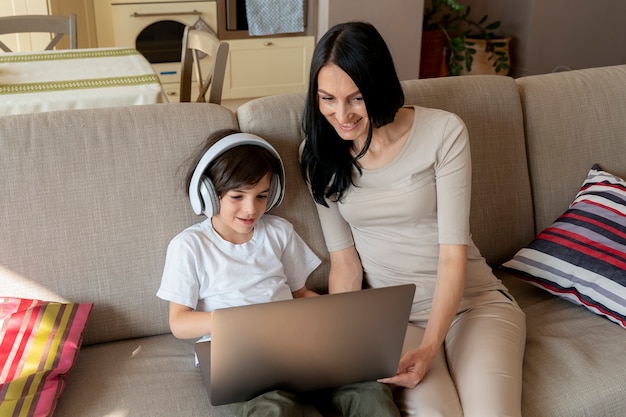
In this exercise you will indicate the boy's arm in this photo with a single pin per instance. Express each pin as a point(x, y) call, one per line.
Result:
point(303, 292)
point(186, 323)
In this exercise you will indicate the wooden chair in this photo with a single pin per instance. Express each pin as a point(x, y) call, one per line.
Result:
point(57, 25)
point(202, 50)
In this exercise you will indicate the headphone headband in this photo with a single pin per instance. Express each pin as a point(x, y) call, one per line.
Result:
point(228, 142)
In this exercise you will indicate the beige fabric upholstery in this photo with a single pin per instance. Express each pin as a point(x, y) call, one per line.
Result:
point(152, 376)
point(573, 364)
point(572, 120)
point(93, 198)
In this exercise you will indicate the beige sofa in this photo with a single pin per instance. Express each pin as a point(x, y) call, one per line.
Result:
point(92, 197)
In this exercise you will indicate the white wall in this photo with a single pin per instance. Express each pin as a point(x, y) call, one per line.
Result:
point(398, 21)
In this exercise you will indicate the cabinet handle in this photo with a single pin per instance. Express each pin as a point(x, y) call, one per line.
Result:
point(267, 43)
point(194, 13)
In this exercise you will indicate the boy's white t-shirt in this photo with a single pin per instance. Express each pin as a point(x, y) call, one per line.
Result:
point(205, 272)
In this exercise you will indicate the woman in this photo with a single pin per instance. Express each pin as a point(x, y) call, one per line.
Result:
point(392, 187)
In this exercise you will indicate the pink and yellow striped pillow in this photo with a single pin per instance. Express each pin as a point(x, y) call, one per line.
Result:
point(39, 341)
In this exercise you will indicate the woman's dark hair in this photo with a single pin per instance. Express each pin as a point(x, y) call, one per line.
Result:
point(239, 167)
point(360, 51)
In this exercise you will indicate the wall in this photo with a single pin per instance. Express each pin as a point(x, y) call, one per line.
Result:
point(398, 21)
point(555, 35)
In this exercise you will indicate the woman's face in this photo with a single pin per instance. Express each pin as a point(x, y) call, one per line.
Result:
point(341, 103)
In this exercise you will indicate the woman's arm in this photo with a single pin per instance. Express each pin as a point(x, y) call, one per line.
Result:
point(448, 293)
point(346, 272)
point(186, 323)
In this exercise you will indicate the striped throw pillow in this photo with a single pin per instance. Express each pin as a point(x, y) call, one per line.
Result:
point(39, 341)
point(582, 256)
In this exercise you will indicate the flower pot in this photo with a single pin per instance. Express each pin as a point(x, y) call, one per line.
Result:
point(483, 60)
point(432, 57)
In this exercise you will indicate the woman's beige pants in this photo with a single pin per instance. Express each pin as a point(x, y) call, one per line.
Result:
point(478, 372)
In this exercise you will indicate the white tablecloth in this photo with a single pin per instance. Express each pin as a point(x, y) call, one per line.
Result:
point(32, 82)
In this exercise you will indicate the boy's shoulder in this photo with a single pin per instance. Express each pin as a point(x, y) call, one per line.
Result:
point(194, 232)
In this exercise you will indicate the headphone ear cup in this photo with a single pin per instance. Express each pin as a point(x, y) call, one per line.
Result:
point(209, 198)
point(275, 192)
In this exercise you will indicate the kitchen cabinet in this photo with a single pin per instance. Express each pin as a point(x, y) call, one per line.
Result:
point(268, 66)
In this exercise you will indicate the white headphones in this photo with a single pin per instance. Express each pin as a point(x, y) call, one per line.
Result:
point(202, 195)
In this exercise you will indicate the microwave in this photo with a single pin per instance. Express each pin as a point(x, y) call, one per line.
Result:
point(232, 20)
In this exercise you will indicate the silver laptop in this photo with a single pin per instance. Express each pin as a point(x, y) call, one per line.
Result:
point(305, 344)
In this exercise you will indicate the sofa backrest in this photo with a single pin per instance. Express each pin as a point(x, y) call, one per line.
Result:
point(91, 199)
point(572, 120)
point(501, 219)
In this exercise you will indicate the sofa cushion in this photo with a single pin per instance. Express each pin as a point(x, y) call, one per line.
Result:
point(572, 362)
point(150, 376)
point(582, 256)
point(572, 120)
point(39, 341)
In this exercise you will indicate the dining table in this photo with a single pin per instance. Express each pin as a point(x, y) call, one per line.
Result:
point(32, 82)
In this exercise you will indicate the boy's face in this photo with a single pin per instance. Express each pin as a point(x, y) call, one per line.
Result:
point(239, 211)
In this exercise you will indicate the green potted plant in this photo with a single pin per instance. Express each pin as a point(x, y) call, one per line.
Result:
point(460, 34)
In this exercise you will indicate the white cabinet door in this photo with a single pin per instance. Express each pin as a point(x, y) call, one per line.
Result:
point(268, 66)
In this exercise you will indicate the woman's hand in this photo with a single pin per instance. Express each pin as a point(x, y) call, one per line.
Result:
point(412, 368)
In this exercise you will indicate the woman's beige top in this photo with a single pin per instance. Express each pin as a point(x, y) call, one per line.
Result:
point(397, 216)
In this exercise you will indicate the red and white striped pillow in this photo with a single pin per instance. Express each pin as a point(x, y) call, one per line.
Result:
point(39, 341)
point(582, 256)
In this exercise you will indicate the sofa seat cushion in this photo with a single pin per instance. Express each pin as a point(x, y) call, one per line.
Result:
point(582, 256)
point(152, 376)
point(573, 364)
